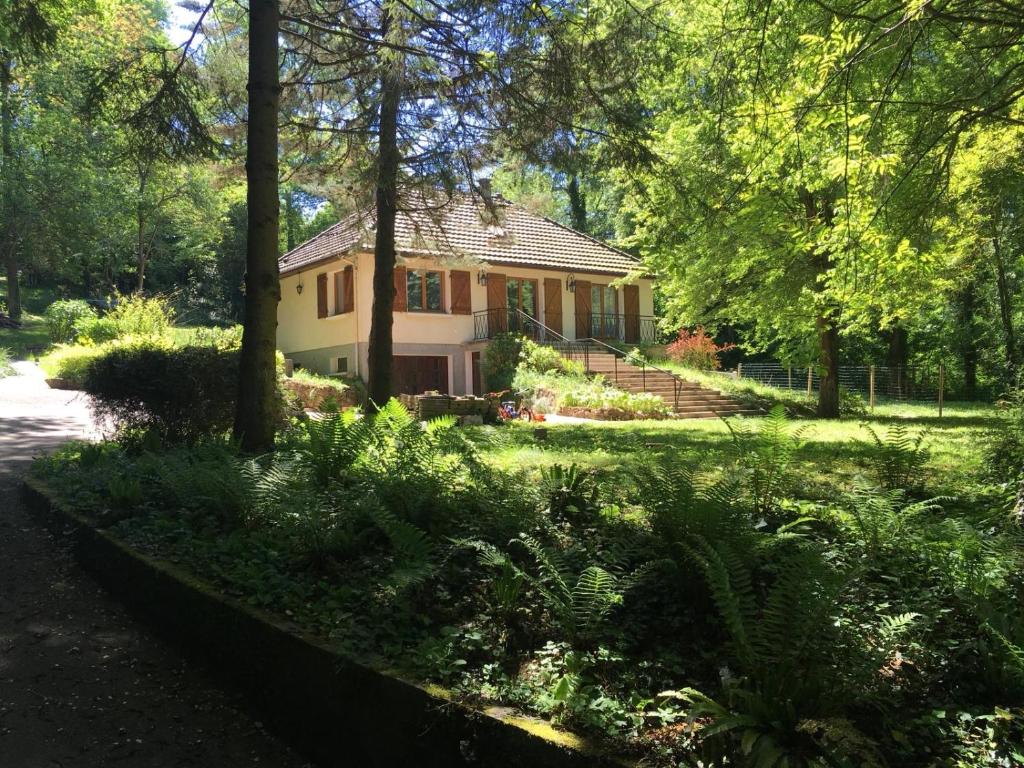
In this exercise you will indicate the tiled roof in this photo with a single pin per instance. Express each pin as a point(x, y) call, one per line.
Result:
point(465, 228)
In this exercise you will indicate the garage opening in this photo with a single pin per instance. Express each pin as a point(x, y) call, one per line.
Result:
point(416, 374)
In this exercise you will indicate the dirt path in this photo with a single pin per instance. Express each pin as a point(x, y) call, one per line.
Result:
point(81, 684)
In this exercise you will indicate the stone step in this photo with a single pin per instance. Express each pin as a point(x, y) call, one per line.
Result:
point(685, 399)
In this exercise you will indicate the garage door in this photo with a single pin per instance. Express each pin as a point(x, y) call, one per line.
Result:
point(416, 374)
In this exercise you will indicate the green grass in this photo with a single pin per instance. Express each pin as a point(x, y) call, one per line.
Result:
point(32, 334)
point(835, 451)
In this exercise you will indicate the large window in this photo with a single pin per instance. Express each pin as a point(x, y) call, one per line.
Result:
point(424, 291)
point(522, 294)
point(604, 308)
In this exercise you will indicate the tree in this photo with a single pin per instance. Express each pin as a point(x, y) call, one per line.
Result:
point(27, 28)
point(256, 417)
point(424, 93)
point(767, 213)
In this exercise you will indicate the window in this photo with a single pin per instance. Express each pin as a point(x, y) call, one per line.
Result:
point(424, 291)
point(341, 365)
point(604, 308)
point(343, 291)
point(522, 295)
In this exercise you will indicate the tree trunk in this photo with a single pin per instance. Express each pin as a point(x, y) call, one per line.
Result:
point(289, 219)
point(896, 360)
point(1005, 311)
point(140, 223)
point(828, 343)
point(969, 340)
point(577, 204)
point(9, 238)
point(381, 343)
point(257, 409)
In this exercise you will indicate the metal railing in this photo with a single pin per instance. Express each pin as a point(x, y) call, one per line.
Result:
point(677, 383)
point(631, 329)
point(580, 349)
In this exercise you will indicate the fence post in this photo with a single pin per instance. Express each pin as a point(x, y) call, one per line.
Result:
point(739, 370)
point(871, 387)
point(942, 384)
point(809, 380)
point(789, 376)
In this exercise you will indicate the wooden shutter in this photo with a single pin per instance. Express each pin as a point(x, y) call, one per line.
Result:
point(348, 289)
point(401, 290)
point(583, 309)
point(553, 304)
point(497, 305)
point(321, 295)
point(631, 310)
point(462, 302)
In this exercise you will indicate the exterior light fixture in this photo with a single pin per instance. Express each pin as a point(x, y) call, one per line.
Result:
point(481, 277)
point(570, 283)
point(298, 288)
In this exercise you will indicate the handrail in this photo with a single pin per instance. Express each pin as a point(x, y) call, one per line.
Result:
point(583, 346)
point(677, 383)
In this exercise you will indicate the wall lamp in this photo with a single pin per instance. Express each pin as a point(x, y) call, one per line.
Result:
point(298, 288)
point(570, 283)
point(481, 277)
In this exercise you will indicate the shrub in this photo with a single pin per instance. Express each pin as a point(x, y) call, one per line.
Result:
point(6, 369)
point(538, 357)
point(141, 316)
point(95, 330)
point(221, 338)
point(62, 316)
point(500, 360)
point(697, 350)
point(180, 393)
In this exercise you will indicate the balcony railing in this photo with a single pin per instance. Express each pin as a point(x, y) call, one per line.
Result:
point(631, 329)
point(488, 323)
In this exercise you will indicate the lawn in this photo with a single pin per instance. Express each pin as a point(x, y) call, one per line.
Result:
point(31, 337)
point(835, 451)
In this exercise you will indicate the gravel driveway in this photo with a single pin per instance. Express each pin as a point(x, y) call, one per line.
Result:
point(81, 684)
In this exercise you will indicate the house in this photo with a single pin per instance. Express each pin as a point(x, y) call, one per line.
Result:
point(466, 272)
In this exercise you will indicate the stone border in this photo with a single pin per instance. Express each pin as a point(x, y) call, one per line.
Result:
point(332, 709)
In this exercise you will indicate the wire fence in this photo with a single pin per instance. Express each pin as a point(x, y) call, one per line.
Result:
point(902, 383)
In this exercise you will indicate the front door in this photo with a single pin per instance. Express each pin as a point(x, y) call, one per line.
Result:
point(553, 304)
point(416, 374)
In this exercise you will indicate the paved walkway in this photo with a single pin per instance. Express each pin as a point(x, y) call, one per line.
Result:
point(81, 684)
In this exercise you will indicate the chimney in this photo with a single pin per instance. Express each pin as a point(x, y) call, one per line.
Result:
point(484, 187)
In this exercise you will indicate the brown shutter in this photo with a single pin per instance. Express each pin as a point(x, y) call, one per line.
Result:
point(583, 310)
point(321, 295)
point(462, 303)
point(497, 305)
point(401, 289)
point(348, 289)
point(553, 304)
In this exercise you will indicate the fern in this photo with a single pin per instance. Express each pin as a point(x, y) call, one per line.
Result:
point(571, 491)
point(899, 458)
point(765, 453)
point(411, 548)
point(580, 603)
point(335, 442)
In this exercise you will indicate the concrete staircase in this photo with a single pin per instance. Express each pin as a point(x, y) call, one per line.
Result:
point(684, 398)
